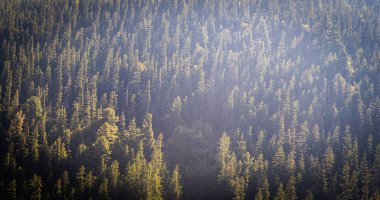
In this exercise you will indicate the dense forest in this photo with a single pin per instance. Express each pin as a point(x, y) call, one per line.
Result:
point(190, 99)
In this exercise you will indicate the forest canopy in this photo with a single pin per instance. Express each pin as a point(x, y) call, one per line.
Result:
point(190, 99)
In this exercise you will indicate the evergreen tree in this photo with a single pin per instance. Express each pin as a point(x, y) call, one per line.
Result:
point(265, 186)
point(309, 195)
point(259, 195)
point(298, 86)
point(136, 177)
point(89, 181)
point(365, 175)
point(263, 192)
point(58, 188)
point(225, 159)
point(291, 188)
point(346, 185)
point(12, 189)
point(103, 190)
point(175, 186)
point(80, 179)
point(114, 174)
point(280, 195)
point(278, 161)
point(35, 185)
point(65, 182)
point(376, 166)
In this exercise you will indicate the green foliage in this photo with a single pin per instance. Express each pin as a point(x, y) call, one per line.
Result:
point(98, 99)
point(103, 190)
point(80, 175)
point(35, 185)
point(291, 189)
point(231, 169)
point(280, 195)
point(114, 174)
point(175, 186)
point(12, 189)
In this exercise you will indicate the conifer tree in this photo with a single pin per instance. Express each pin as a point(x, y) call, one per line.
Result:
point(89, 181)
point(35, 185)
point(376, 166)
point(12, 189)
point(278, 161)
point(265, 188)
point(65, 182)
point(58, 188)
point(309, 195)
point(346, 183)
point(175, 186)
point(114, 174)
point(103, 190)
point(136, 177)
point(259, 195)
point(280, 195)
point(80, 179)
point(291, 188)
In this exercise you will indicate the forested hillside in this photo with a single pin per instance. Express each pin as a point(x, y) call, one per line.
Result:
point(190, 99)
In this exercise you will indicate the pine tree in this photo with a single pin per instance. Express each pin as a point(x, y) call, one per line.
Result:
point(291, 189)
point(103, 190)
point(239, 186)
point(136, 177)
point(80, 179)
point(35, 185)
point(89, 181)
point(376, 166)
point(15, 101)
point(114, 174)
point(259, 195)
point(34, 145)
point(316, 136)
point(302, 135)
point(102, 168)
point(59, 153)
point(346, 183)
point(348, 154)
point(175, 187)
point(7, 76)
point(75, 117)
point(102, 149)
point(259, 142)
point(278, 161)
point(291, 163)
point(230, 172)
point(365, 178)
point(65, 182)
point(58, 188)
point(16, 128)
point(329, 159)
point(33, 110)
point(147, 129)
point(264, 189)
point(376, 195)
point(157, 169)
point(309, 195)
point(12, 189)
point(176, 106)
point(109, 130)
point(226, 159)
point(280, 195)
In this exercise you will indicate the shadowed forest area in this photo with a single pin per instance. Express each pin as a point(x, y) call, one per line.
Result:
point(190, 99)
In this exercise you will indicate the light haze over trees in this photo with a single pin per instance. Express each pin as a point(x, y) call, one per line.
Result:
point(190, 99)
